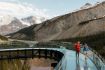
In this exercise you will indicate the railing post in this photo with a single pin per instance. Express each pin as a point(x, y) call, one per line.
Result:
point(1, 56)
point(17, 54)
point(9, 55)
point(51, 54)
point(25, 54)
point(39, 52)
point(32, 53)
point(45, 53)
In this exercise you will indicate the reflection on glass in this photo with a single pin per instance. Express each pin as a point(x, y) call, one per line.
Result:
point(85, 64)
point(77, 64)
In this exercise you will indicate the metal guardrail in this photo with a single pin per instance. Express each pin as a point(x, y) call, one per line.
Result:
point(98, 55)
point(97, 60)
point(62, 64)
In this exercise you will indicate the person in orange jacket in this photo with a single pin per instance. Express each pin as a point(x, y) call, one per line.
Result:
point(77, 48)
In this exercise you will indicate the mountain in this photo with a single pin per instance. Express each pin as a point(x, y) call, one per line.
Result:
point(33, 20)
point(67, 26)
point(87, 5)
point(5, 19)
point(12, 26)
point(9, 24)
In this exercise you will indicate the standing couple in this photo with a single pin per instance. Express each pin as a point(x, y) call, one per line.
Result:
point(78, 46)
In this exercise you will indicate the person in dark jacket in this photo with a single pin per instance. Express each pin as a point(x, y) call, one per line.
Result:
point(85, 48)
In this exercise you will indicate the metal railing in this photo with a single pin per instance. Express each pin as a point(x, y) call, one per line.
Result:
point(62, 64)
point(96, 59)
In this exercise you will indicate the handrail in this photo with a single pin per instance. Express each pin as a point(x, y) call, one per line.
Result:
point(99, 56)
point(97, 60)
point(62, 64)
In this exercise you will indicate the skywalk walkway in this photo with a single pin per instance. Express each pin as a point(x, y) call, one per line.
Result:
point(71, 62)
point(65, 57)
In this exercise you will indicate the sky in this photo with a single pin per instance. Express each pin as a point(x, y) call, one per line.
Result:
point(41, 8)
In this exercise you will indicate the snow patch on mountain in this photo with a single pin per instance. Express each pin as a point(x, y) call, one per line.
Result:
point(5, 19)
point(33, 20)
point(87, 5)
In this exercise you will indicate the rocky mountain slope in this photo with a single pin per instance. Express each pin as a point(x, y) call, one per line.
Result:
point(33, 20)
point(9, 24)
point(13, 26)
point(76, 24)
point(3, 38)
point(87, 5)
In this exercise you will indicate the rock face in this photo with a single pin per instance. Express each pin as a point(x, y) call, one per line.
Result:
point(87, 5)
point(9, 24)
point(5, 19)
point(33, 20)
point(80, 23)
point(2, 38)
point(13, 26)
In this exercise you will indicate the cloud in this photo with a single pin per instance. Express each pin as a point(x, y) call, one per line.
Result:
point(13, 0)
point(100, 0)
point(21, 10)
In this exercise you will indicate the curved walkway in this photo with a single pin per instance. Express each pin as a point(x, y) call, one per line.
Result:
point(69, 60)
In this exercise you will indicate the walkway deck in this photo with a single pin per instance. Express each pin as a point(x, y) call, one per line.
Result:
point(73, 64)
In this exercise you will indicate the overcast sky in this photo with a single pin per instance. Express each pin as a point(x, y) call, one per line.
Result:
point(44, 8)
